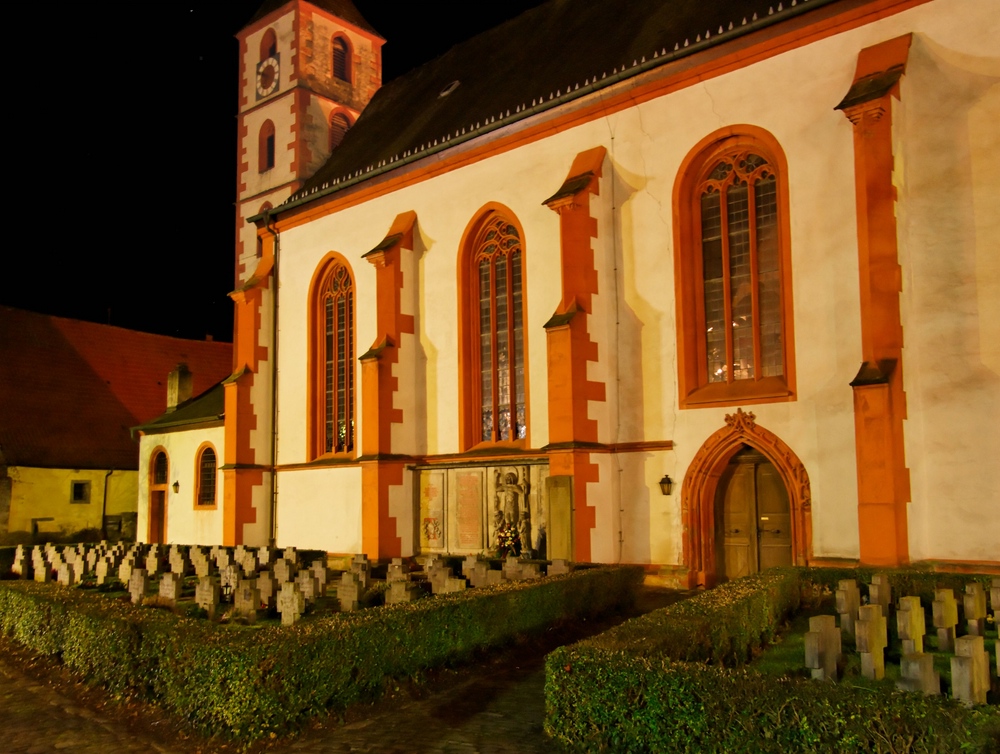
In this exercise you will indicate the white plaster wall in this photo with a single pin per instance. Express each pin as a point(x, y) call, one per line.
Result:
point(247, 232)
point(187, 523)
point(792, 96)
point(947, 154)
point(320, 509)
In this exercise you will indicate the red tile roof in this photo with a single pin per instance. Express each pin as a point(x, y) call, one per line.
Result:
point(70, 391)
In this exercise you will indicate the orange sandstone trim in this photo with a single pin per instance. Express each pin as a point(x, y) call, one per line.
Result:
point(879, 399)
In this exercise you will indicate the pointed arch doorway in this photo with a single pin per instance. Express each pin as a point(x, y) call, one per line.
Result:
point(744, 462)
point(752, 517)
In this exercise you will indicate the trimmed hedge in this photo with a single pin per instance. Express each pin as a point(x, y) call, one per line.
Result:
point(249, 681)
point(647, 685)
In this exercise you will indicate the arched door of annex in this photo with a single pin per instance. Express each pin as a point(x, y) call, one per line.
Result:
point(702, 481)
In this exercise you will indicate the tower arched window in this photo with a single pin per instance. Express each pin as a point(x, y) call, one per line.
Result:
point(341, 59)
point(339, 125)
point(265, 146)
point(333, 360)
point(494, 346)
point(206, 473)
point(733, 272)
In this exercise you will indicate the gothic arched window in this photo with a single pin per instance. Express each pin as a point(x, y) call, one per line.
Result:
point(493, 304)
point(333, 360)
point(733, 272)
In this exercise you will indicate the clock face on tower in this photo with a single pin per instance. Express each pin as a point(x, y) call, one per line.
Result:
point(267, 76)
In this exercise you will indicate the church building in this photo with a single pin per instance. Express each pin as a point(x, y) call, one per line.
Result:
point(704, 286)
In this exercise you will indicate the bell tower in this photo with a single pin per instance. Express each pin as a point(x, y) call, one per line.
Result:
point(307, 69)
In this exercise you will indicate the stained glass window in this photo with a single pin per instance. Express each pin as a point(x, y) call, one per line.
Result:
point(500, 332)
point(740, 269)
point(336, 399)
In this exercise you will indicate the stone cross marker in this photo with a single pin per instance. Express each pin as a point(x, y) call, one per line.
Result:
point(917, 671)
point(995, 597)
point(291, 604)
point(911, 625)
point(349, 591)
point(309, 585)
point(66, 575)
point(945, 618)
point(974, 601)
point(848, 602)
point(170, 587)
point(871, 637)
point(880, 592)
point(247, 599)
point(823, 647)
point(137, 584)
point(402, 590)
point(970, 670)
point(206, 595)
point(284, 570)
point(21, 567)
point(268, 587)
point(397, 571)
point(321, 573)
point(362, 568)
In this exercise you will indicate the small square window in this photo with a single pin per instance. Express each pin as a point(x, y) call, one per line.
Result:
point(80, 492)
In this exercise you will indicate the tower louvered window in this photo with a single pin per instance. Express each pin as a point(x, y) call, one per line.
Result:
point(339, 124)
point(341, 59)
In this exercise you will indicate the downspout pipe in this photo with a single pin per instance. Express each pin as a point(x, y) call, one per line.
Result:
point(104, 504)
point(273, 535)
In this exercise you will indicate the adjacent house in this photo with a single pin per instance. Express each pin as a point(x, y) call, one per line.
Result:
point(70, 392)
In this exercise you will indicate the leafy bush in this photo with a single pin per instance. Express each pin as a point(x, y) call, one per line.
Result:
point(247, 681)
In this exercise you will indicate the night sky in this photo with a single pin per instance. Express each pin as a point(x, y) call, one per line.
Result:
point(127, 145)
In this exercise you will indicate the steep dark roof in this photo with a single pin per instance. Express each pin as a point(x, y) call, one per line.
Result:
point(341, 8)
point(70, 391)
point(207, 408)
point(547, 56)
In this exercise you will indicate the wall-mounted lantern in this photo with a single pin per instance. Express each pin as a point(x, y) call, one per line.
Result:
point(666, 484)
point(177, 486)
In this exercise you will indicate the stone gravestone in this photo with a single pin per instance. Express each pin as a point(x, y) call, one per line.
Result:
point(206, 595)
point(154, 560)
point(970, 670)
point(170, 588)
point(917, 671)
point(125, 569)
point(229, 578)
point(291, 604)
point(66, 574)
point(138, 582)
point(291, 555)
point(402, 590)
point(558, 568)
point(872, 639)
point(349, 591)
point(362, 568)
point(322, 575)
point(179, 562)
point(21, 567)
point(268, 587)
point(199, 561)
point(823, 647)
point(911, 625)
point(880, 593)
point(308, 585)
point(974, 601)
point(247, 599)
point(848, 602)
point(945, 611)
point(284, 570)
point(397, 570)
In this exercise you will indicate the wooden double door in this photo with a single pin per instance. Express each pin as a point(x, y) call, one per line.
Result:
point(753, 523)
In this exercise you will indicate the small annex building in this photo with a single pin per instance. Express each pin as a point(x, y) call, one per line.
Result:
point(706, 286)
point(70, 392)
